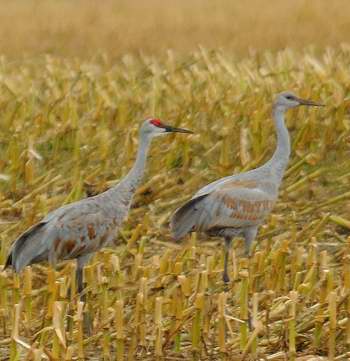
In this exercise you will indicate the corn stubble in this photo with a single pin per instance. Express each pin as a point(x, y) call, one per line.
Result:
point(69, 129)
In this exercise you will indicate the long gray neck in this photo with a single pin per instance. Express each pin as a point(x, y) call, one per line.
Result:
point(279, 160)
point(132, 180)
point(121, 194)
point(117, 200)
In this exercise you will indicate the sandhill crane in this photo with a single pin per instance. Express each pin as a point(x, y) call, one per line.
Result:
point(79, 229)
point(237, 205)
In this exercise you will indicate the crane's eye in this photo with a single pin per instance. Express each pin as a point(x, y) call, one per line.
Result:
point(289, 97)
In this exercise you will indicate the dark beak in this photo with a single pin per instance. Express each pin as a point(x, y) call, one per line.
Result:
point(169, 128)
point(309, 103)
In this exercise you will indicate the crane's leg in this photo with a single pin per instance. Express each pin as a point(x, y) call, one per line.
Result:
point(249, 237)
point(79, 279)
point(81, 262)
point(87, 321)
point(227, 247)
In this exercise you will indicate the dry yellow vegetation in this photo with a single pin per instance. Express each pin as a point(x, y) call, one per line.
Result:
point(68, 129)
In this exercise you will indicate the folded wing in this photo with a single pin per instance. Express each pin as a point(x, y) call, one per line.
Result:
point(230, 205)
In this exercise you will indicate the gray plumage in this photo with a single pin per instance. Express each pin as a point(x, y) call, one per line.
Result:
point(80, 229)
point(237, 205)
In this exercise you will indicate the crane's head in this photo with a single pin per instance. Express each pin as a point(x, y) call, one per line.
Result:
point(154, 127)
point(287, 100)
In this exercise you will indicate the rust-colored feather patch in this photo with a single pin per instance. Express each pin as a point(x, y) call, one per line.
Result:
point(229, 202)
point(78, 250)
point(68, 246)
point(91, 231)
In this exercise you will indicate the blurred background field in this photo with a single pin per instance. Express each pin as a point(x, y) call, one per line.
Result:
point(85, 28)
point(76, 79)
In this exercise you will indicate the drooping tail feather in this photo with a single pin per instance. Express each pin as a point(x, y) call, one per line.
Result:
point(8, 261)
point(26, 248)
point(185, 218)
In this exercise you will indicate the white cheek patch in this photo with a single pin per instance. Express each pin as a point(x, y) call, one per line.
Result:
point(159, 131)
point(163, 132)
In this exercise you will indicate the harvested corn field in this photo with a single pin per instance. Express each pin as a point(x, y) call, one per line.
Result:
point(69, 130)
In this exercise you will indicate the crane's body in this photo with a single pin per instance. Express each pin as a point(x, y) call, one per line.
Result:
point(79, 229)
point(237, 205)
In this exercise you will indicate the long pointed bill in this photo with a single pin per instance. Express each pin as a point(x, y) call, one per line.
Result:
point(309, 103)
point(169, 128)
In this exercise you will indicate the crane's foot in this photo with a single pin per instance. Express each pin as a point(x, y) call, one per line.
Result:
point(250, 322)
point(225, 278)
